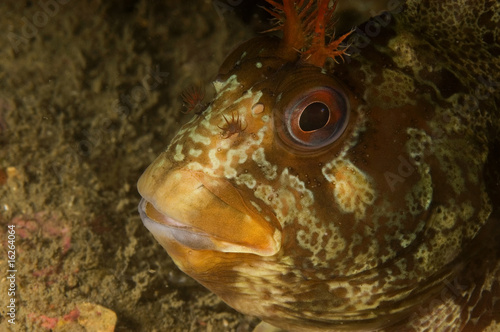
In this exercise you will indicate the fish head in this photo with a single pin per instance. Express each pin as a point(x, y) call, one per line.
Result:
point(300, 193)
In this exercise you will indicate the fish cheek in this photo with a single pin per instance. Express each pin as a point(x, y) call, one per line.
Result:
point(398, 190)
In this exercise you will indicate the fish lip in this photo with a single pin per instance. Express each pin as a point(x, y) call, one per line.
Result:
point(167, 220)
point(168, 230)
point(190, 209)
point(174, 230)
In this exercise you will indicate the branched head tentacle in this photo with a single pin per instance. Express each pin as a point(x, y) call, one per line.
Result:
point(232, 126)
point(192, 99)
point(305, 28)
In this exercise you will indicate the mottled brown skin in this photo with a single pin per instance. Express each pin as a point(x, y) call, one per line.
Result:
point(393, 226)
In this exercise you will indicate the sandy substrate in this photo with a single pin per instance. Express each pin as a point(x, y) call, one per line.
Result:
point(89, 95)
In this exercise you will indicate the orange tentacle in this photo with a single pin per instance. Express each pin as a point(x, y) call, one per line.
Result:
point(293, 34)
point(305, 30)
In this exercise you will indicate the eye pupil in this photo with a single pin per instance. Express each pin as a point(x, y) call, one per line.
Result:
point(315, 116)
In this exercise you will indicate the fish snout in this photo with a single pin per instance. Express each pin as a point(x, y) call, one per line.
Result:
point(201, 212)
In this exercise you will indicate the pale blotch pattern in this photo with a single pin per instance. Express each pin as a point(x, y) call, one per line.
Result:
point(291, 201)
point(494, 327)
point(406, 56)
point(195, 152)
point(445, 219)
point(335, 243)
point(254, 279)
point(265, 166)
point(247, 180)
point(419, 142)
point(396, 89)
point(179, 156)
point(282, 198)
point(222, 158)
point(449, 162)
point(198, 138)
point(420, 197)
point(447, 239)
point(353, 190)
point(228, 85)
point(452, 153)
point(436, 317)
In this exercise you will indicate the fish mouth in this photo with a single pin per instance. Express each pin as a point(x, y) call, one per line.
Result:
point(200, 212)
point(170, 229)
point(165, 228)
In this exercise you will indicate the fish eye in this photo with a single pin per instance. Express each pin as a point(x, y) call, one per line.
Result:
point(315, 116)
point(314, 119)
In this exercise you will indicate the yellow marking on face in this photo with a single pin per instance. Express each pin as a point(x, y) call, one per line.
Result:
point(306, 195)
point(353, 190)
point(265, 193)
point(230, 84)
point(160, 163)
point(265, 166)
point(197, 167)
point(195, 152)
point(247, 180)
point(335, 242)
point(282, 198)
point(179, 156)
point(212, 130)
point(214, 159)
point(198, 138)
point(223, 156)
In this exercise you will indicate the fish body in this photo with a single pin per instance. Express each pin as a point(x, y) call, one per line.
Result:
point(359, 196)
